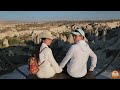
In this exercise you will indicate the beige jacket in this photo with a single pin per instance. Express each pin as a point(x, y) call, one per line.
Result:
point(78, 56)
point(50, 67)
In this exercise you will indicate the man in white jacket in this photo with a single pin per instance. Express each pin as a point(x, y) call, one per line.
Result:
point(77, 56)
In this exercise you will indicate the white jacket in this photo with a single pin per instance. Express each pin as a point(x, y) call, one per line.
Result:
point(78, 56)
point(50, 67)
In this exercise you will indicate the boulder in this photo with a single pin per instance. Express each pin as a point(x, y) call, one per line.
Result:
point(10, 53)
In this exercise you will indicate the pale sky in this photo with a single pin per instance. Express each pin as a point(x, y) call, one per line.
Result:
point(58, 15)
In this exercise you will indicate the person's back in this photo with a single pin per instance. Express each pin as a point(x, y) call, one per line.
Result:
point(77, 66)
point(78, 56)
point(48, 66)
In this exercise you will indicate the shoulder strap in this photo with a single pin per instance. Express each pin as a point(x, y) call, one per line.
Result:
point(40, 52)
point(42, 49)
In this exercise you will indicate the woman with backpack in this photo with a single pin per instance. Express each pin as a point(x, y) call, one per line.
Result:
point(48, 66)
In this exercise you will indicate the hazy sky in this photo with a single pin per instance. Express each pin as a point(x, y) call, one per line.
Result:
point(58, 15)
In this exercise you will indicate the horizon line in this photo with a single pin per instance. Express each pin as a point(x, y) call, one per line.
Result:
point(22, 21)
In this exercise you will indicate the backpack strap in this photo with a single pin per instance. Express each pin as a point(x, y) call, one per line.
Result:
point(40, 52)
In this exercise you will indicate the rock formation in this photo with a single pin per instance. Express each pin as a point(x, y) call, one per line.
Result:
point(104, 34)
point(6, 43)
point(70, 39)
point(64, 38)
point(10, 53)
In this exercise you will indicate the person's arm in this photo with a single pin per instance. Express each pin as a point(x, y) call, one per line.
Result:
point(53, 62)
point(93, 60)
point(67, 57)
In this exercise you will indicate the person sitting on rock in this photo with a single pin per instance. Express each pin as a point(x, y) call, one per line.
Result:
point(48, 65)
point(77, 56)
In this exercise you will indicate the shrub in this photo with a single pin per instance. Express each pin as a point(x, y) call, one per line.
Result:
point(66, 34)
point(13, 41)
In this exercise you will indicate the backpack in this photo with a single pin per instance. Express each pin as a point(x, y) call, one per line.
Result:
point(33, 64)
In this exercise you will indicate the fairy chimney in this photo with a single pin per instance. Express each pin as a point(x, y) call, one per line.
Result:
point(5, 43)
point(70, 39)
point(64, 38)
